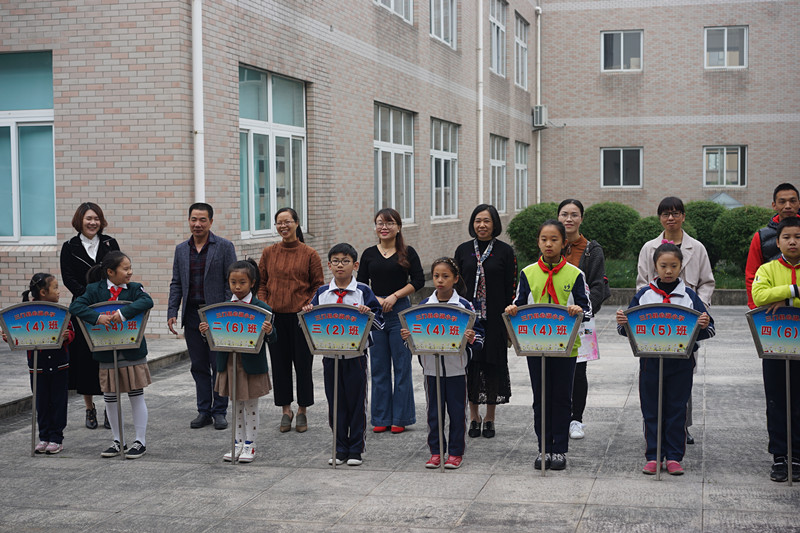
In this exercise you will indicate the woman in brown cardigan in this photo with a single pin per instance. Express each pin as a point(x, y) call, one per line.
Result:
point(291, 272)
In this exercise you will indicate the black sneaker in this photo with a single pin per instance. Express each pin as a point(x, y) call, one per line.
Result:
point(137, 450)
point(558, 461)
point(220, 422)
point(689, 438)
point(201, 420)
point(538, 462)
point(106, 423)
point(113, 450)
point(795, 469)
point(91, 418)
point(354, 459)
point(780, 470)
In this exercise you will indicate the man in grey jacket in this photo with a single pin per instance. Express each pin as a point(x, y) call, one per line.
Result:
point(199, 273)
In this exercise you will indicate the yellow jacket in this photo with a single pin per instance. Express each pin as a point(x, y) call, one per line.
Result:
point(773, 283)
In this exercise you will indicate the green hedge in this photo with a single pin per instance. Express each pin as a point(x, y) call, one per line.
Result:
point(609, 223)
point(734, 230)
point(649, 228)
point(523, 229)
point(703, 215)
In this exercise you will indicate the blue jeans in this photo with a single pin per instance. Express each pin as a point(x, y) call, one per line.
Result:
point(390, 351)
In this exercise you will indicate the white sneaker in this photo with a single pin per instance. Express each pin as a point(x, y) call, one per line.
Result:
point(239, 447)
point(576, 430)
point(248, 453)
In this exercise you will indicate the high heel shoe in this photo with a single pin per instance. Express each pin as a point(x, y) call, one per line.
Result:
point(488, 429)
point(91, 418)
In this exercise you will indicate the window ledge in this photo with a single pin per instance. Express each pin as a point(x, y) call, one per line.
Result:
point(437, 221)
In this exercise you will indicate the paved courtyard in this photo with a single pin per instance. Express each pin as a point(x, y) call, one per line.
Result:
point(183, 485)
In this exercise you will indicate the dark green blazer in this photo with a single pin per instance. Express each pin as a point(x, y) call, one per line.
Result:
point(253, 363)
point(98, 292)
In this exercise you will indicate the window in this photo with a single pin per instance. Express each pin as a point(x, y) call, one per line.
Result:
point(521, 53)
point(402, 8)
point(521, 175)
point(726, 47)
point(724, 166)
point(272, 149)
point(444, 168)
point(622, 50)
point(497, 21)
point(621, 167)
point(27, 154)
point(394, 160)
point(443, 21)
point(497, 180)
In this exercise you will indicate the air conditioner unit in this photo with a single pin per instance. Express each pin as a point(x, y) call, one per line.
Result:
point(539, 117)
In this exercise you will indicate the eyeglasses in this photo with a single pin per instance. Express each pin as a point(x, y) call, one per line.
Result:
point(673, 214)
point(337, 262)
point(390, 224)
point(284, 223)
point(570, 216)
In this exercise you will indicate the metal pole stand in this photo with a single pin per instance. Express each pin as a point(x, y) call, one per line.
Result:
point(439, 410)
point(658, 432)
point(789, 440)
point(543, 440)
point(234, 412)
point(33, 402)
point(335, 406)
point(119, 406)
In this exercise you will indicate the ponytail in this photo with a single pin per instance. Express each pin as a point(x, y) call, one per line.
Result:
point(296, 219)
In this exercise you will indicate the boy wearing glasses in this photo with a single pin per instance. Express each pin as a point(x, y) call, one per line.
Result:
point(352, 402)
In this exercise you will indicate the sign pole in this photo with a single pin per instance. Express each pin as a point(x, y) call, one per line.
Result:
point(119, 405)
point(544, 441)
point(234, 412)
point(658, 432)
point(439, 411)
point(789, 421)
point(33, 402)
point(335, 406)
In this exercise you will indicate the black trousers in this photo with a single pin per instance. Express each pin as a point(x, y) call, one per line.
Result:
point(774, 371)
point(51, 404)
point(580, 389)
point(559, 373)
point(351, 417)
point(290, 350)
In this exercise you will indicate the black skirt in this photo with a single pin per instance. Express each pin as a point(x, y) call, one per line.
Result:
point(84, 371)
point(488, 381)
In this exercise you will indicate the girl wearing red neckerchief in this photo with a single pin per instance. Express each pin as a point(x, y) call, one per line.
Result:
point(553, 280)
point(667, 288)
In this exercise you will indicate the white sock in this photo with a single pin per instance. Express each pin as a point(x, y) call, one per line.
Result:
point(139, 413)
point(251, 419)
point(239, 421)
point(111, 412)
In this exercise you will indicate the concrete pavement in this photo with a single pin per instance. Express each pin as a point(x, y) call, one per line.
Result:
point(183, 485)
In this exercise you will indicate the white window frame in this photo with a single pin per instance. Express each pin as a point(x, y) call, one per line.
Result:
point(497, 178)
point(746, 51)
point(498, 13)
point(273, 130)
point(402, 8)
point(521, 175)
point(407, 151)
point(620, 149)
point(14, 120)
point(439, 33)
point(521, 52)
point(439, 156)
point(741, 170)
point(622, 34)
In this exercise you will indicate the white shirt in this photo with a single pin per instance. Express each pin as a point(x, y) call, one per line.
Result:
point(246, 300)
point(91, 245)
point(109, 285)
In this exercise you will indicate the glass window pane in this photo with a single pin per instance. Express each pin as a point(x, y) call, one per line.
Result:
point(287, 101)
point(407, 188)
point(37, 181)
point(297, 177)
point(283, 184)
point(612, 51)
point(446, 129)
point(252, 94)
point(385, 125)
point(446, 23)
point(712, 166)
point(6, 199)
point(377, 125)
point(436, 18)
point(386, 180)
point(736, 47)
point(244, 187)
point(732, 166)
point(26, 81)
point(261, 184)
point(408, 130)
point(632, 51)
point(715, 47)
point(376, 167)
point(397, 127)
point(630, 161)
point(399, 192)
point(437, 135)
point(611, 167)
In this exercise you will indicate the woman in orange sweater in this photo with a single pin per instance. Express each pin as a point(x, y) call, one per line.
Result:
point(291, 272)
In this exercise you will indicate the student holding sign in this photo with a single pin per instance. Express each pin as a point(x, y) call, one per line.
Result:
point(677, 380)
point(110, 281)
point(351, 417)
point(553, 280)
point(775, 284)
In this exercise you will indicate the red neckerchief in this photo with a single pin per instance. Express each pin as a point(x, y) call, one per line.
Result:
point(549, 287)
point(114, 293)
point(341, 294)
point(785, 263)
point(660, 292)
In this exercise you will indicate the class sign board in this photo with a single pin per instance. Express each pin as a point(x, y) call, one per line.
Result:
point(662, 330)
point(127, 335)
point(235, 326)
point(437, 328)
point(336, 329)
point(776, 334)
point(543, 329)
point(35, 325)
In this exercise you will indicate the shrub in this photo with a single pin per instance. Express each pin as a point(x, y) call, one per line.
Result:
point(648, 228)
point(609, 223)
point(734, 230)
point(523, 228)
point(703, 214)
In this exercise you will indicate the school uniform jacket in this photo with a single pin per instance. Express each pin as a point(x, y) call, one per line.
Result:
point(680, 295)
point(252, 363)
point(98, 292)
point(50, 361)
point(75, 262)
point(357, 294)
point(453, 365)
point(773, 283)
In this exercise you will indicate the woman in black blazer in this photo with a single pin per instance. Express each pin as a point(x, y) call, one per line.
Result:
point(78, 255)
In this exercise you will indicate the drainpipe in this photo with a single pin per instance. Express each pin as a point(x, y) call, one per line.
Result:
point(197, 102)
point(480, 102)
point(539, 102)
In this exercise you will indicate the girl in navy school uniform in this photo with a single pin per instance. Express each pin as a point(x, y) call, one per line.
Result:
point(52, 379)
point(110, 281)
point(677, 385)
point(252, 370)
point(448, 283)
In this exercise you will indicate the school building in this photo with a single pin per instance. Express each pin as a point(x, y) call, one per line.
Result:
point(340, 108)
